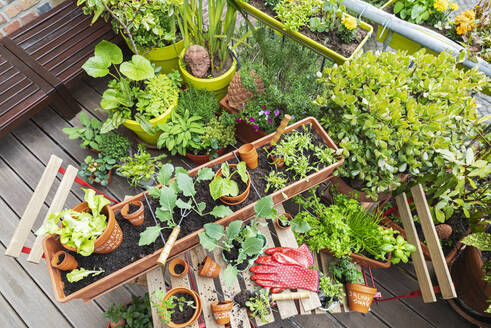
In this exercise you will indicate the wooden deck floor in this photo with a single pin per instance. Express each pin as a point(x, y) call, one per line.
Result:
point(26, 296)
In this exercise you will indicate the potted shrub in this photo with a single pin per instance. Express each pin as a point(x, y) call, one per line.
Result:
point(314, 23)
point(225, 184)
point(148, 27)
point(179, 307)
point(140, 168)
point(378, 124)
point(136, 314)
point(88, 227)
point(136, 97)
point(345, 228)
point(97, 170)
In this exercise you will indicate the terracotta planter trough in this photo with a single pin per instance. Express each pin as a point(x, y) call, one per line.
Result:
point(51, 244)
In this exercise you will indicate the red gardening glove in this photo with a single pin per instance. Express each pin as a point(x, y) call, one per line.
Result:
point(292, 256)
point(278, 276)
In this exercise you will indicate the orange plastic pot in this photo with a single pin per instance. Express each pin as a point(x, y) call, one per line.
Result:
point(235, 200)
point(248, 154)
point(221, 311)
point(67, 264)
point(277, 221)
point(360, 297)
point(197, 302)
point(137, 217)
point(202, 159)
point(209, 268)
point(174, 263)
point(110, 239)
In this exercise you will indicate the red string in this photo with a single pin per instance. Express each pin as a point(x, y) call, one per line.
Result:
point(85, 184)
point(393, 209)
point(416, 293)
point(27, 250)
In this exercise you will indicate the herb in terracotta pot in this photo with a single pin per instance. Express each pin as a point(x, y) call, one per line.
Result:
point(226, 188)
point(115, 315)
point(140, 168)
point(97, 170)
point(179, 307)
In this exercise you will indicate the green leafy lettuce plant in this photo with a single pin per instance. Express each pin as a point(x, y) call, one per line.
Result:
point(390, 119)
point(97, 170)
point(139, 168)
point(79, 274)
point(223, 185)
point(79, 229)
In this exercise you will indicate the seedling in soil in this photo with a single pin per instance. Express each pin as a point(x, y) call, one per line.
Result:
point(259, 305)
point(166, 308)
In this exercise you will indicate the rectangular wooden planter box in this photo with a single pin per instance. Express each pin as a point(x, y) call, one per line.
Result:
point(300, 38)
point(51, 243)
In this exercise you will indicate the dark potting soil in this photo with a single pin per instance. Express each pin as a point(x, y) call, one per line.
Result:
point(242, 297)
point(179, 268)
point(187, 312)
point(133, 208)
point(329, 40)
point(61, 258)
point(282, 224)
point(129, 251)
point(233, 255)
point(222, 302)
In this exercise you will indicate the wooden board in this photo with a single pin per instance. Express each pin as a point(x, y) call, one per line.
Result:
point(437, 258)
point(424, 280)
point(155, 280)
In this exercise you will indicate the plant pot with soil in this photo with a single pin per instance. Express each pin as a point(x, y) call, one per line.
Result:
point(179, 307)
point(231, 184)
point(209, 268)
point(360, 297)
point(97, 170)
point(222, 311)
point(283, 221)
point(178, 267)
point(64, 261)
point(134, 212)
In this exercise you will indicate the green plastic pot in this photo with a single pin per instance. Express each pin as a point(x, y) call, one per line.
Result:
point(218, 85)
point(302, 39)
point(150, 139)
point(166, 57)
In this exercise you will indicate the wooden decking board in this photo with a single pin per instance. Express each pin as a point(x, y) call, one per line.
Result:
point(8, 316)
point(355, 319)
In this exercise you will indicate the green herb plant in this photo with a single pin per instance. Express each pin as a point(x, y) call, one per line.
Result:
point(114, 145)
point(97, 170)
point(330, 289)
point(259, 305)
point(346, 271)
point(419, 11)
point(114, 313)
point(137, 314)
point(89, 132)
point(166, 308)
point(296, 14)
point(180, 132)
point(223, 185)
point(79, 274)
point(140, 168)
point(79, 229)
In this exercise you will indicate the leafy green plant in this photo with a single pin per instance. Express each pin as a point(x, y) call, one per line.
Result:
point(480, 240)
point(216, 134)
point(114, 145)
point(184, 186)
point(391, 119)
point(200, 102)
point(419, 11)
point(331, 289)
point(223, 185)
point(166, 308)
point(275, 181)
point(180, 132)
point(137, 314)
point(79, 229)
point(139, 168)
point(97, 170)
point(89, 132)
point(259, 305)
point(79, 274)
point(346, 271)
point(114, 313)
point(296, 14)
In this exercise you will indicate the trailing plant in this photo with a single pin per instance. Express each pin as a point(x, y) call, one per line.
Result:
point(137, 314)
point(127, 97)
point(224, 185)
point(79, 229)
point(259, 305)
point(139, 168)
point(332, 289)
point(114, 145)
point(180, 132)
point(166, 308)
point(89, 132)
point(392, 119)
point(79, 274)
point(346, 271)
point(178, 195)
point(419, 11)
point(97, 170)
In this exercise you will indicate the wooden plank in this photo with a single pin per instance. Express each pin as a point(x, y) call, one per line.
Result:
point(155, 280)
point(8, 316)
point(287, 239)
point(424, 280)
point(447, 287)
point(56, 206)
point(239, 316)
point(206, 287)
point(33, 207)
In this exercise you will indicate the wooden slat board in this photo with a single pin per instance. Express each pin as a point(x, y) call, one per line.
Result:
point(155, 280)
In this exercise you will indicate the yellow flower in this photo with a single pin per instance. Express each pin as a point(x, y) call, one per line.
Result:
point(454, 6)
point(440, 5)
point(349, 22)
point(470, 14)
point(465, 22)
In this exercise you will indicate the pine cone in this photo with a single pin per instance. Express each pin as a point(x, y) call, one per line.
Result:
point(238, 95)
point(197, 60)
point(443, 231)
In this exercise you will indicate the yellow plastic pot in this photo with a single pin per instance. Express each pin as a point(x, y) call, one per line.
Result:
point(144, 136)
point(165, 57)
point(218, 85)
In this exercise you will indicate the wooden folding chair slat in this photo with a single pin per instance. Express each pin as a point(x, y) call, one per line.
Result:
point(33, 207)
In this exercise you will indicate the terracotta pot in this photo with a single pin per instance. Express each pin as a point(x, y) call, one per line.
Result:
point(367, 262)
point(172, 267)
point(69, 262)
point(277, 220)
point(243, 131)
point(235, 200)
point(110, 239)
point(360, 297)
point(221, 312)
point(277, 161)
point(137, 217)
point(248, 154)
point(121, 323)
point(202, 159)
point(209, 268)
point(197, 302)
point(108, 179)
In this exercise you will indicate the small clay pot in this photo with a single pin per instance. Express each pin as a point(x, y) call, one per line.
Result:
point(197, 302)
point(360, 297)
point(248, 154)
point(278, 222)
point(138, 216)
point(209, 268)
point(180, 264)
point(120, 323)
point(68, 263)
point(202, 159)
point(235, 200)
point(277, 161)
point(221, 311)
